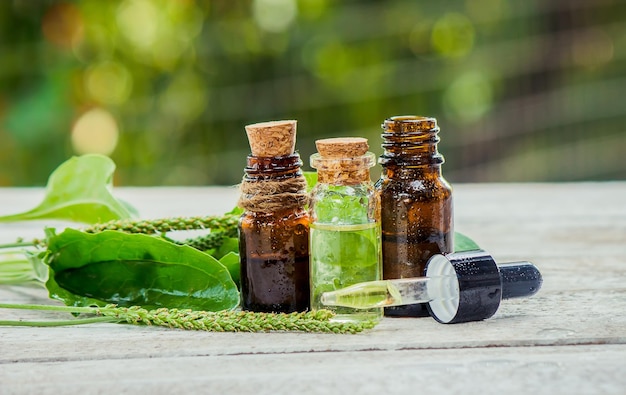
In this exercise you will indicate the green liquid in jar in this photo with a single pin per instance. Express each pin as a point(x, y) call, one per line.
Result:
point(365, 295)
point(343, 255)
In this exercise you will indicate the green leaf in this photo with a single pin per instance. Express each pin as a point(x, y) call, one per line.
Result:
point(311, 179)
point(79, 190)
point(135, 269)
point(230, 244)
point(341, 204)
point(232, 263)
point(235, 211)
point(40, 269)
point(464, 243)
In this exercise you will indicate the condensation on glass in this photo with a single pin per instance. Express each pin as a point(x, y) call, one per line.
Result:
point(416, 202)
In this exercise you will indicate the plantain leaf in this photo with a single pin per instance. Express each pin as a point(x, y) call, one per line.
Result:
point(464, 243)
point(311, 179)
point(232, 263)
point(230, 244)
point(79, 190)
point(135, 269)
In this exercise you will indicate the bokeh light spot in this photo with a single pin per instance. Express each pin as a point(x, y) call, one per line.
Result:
point(184, 98)
point(329, 60)
point(274, 15)
point(108, 83)
point(453, 35)
point(137, 20)
point(95, 132)
point(469, 97)
point(167, 52)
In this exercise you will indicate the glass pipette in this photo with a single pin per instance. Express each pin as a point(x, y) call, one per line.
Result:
point(458, 287)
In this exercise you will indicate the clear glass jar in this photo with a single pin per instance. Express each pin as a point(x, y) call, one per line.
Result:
point(345, 226)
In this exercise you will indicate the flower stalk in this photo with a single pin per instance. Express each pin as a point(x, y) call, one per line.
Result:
point(225, 222)
point(223, 321)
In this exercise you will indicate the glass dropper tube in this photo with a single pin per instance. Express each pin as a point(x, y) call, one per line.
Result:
point(398, 292)
point(458, 287)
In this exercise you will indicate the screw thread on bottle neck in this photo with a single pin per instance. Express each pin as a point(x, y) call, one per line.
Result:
point(278, 167)
point(410, 141)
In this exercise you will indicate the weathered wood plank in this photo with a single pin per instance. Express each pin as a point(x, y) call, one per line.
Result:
point(569, 338)
point(554, 318)
point(538, 370)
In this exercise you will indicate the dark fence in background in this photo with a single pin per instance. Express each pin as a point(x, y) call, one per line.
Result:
point(523, 90)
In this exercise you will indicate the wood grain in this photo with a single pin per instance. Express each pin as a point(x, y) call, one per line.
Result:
point(569, 338)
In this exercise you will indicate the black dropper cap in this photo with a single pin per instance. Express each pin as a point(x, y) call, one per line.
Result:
point(481, 285)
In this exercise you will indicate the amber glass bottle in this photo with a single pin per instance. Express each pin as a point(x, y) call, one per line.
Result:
point(416, 202)
point(274, 228)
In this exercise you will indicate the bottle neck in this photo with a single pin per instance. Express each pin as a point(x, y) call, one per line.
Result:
point(339, 177)
point(273, 184)
point(410, 141)
point(343, 171)
point(275, 168)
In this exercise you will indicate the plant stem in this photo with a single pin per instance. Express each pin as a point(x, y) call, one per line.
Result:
point(49, 307)
point(20, 244)
point(222, 321)
point(15, 268)
point(77, 321)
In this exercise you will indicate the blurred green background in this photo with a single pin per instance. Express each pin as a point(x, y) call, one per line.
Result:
point(523, 90)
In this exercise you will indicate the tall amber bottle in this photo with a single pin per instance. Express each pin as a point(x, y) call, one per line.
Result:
point(416, 202)
point(274, 229)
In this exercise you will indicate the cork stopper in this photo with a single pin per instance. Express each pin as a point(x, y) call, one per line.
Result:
point(342, 160)
point(342, 147)
point(275, 138)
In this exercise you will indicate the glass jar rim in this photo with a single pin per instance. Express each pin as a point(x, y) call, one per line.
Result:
point(317, 161)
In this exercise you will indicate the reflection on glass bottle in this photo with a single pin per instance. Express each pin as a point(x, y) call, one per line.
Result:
point(416, 202)
point(274, 229)
point(345, 223)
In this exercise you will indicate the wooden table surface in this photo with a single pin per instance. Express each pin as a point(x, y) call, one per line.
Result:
point(570, 338)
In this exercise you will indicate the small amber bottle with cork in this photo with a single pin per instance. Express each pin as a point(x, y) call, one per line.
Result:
point(274, 228)
point(345, 223)
point(416, 202)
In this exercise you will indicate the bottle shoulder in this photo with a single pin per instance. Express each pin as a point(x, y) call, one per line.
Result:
point(345, 204)
point(414, 184)
point(322, 190)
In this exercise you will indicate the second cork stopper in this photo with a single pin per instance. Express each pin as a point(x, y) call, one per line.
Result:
point(342, 147)
point(342, 160)
point(274, 138)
